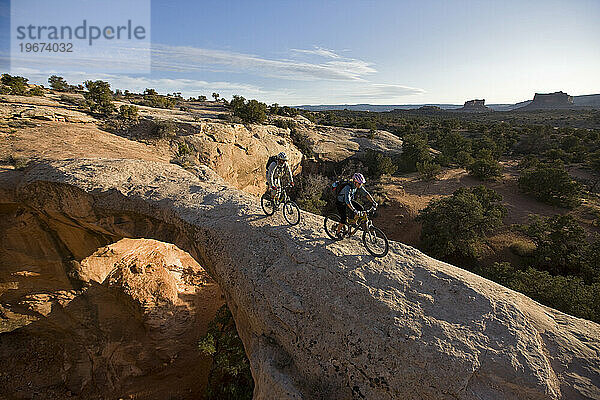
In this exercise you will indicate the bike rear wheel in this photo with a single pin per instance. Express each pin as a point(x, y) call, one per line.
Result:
point(267, 204)
point(375, 242)
point(331, 224)
point(291, 213)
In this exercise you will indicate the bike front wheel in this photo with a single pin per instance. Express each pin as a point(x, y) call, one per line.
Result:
point(331, 224)
point(267, 204)
point(291, 213)
point(375, 242)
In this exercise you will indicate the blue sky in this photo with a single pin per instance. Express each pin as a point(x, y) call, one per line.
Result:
point(380, 52)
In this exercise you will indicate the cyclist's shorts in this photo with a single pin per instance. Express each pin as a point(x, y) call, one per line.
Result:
point(343, 209)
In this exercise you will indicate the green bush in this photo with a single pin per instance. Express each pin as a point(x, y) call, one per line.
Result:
point(452, 146)
point(99, 97)
point(485, 167)
point(561, 246)
point(186, 155)
point(378, 164)
point(128, 112)
point(155, 100)
point(16, 85)
point(250, 111)
point(550, 183)
point(19, 162)
point(36, 91)
point(229, 376)
point(428, 171)
point(58, 83)
point(414, 150)
point(456, 225)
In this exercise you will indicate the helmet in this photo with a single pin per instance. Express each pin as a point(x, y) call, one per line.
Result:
point(282, 156)
point(358, 178)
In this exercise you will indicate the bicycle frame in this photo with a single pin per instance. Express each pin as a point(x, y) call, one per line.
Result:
point(363, 223)
point(280, 197)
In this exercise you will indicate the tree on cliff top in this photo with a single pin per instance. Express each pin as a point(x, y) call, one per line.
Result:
point(99, 97)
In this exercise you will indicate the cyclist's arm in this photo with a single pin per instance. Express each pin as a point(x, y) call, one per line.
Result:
point(348, 199)
point(270, 174)
point(368, 195)
point(289, 172)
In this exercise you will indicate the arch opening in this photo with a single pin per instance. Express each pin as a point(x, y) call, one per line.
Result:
point(91, 307)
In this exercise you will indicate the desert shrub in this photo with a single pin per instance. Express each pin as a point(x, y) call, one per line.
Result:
point(99, 97)
point(522, 248)
point(464, 159)
point(312, 193)
point(164, 129)
point(560, 245)
point(452, 144)
point(594, 161)
point(36, 91)
point(428, 170)
point(284, 123)
point(229, 376)
point(19, 162)
point(456, 225)
point(153, 99)
point(128, 112)
point(185, 155)
point(378, 164)
point(485, 167)
point(122, 122)
point(529, 161)
point(557, 154)
point(251, 111)
point(16, 85)
point(58, 83)
point(414, 150)
point(551, 183)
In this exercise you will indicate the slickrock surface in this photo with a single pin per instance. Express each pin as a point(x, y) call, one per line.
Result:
point(320, 319)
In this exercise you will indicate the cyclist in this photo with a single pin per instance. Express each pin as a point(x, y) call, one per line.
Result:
point(345, 201)
point(275, 171)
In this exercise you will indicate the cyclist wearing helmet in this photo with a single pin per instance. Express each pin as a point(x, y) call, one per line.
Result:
point(345, 200)
point(276, 170)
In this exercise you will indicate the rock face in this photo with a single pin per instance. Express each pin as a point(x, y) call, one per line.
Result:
point(321, 319)
point(334, 144)
point(120, 322)
point(548, 101)
point(239, 153)
point(474, 106)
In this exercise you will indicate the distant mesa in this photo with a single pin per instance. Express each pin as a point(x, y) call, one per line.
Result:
point(428, 108)
point(549, 101)
point(474, 106)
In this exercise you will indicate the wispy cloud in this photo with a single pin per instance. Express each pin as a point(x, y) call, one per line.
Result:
point(318, 51)
point(330, 79)
point(384, 91)
point(189, 59)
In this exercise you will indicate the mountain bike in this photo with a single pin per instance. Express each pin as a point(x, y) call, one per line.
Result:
point(373, 238)
point(291, 211)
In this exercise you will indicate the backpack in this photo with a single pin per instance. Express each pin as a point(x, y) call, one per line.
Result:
point(337, 186)
point(269, 161)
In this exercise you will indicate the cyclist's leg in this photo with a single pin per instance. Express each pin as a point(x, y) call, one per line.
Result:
point(343, 211)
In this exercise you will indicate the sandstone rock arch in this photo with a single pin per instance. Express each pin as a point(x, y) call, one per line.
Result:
point(323, 320)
